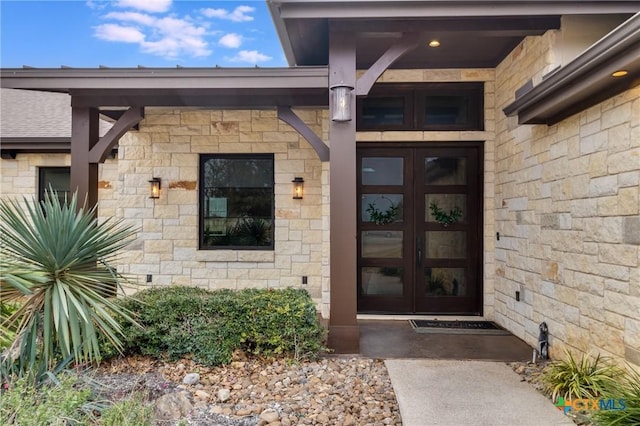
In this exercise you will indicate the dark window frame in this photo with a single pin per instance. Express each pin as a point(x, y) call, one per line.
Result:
point(414, 95)
point(43, 178)
point(203, 158)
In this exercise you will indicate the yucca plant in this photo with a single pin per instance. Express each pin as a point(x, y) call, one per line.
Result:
point(56, 264)
point(585, 378)
point(627, 394)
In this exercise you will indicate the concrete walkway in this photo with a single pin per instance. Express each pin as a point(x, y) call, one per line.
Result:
point(467, 393)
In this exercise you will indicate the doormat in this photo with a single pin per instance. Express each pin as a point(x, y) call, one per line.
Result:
point(458, 327)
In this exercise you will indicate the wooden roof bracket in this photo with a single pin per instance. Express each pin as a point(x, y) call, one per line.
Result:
point(105, 144)
point(408, 42)
point(287, 115)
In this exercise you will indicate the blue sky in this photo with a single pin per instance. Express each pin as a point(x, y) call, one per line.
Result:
point(128, 33)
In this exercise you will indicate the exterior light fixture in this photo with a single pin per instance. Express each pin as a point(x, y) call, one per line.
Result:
point(154, 188)
point(298, 187)
point(341, 102)
point(620, 73)
point(434, 43)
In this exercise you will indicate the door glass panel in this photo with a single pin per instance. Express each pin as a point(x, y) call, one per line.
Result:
point(447, 204)
point(385, 244)
point(446, 244)
point(445, 282)
point(382, 171)
point(382, 281)
point(383, 111)
point(445, 171)
point(382, 208)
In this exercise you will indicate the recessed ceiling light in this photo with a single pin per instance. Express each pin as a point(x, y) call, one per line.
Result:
point(620, 73)
point(434, 43)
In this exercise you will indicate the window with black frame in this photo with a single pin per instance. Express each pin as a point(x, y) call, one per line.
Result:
point(422, 106)
point(57, 179)
point(236, 201)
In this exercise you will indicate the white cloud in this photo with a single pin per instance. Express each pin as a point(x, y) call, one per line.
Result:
point(231, 40)
point(113, 32)
point(250, 57)
point(169, 37)
point(153, 6)
point(138, 18)
point(239, 14)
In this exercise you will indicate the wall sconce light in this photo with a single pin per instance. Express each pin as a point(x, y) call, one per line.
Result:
point(154, 188)
point(298, 186)
point(341, 102)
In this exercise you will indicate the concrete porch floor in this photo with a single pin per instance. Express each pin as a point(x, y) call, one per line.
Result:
point(395, 338)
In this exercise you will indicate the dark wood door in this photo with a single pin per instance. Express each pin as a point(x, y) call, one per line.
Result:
point(420, 228)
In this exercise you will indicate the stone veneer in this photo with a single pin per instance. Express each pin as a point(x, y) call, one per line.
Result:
point(19, 178)
point(566, 206)
point(564, 198)
point(167, 146)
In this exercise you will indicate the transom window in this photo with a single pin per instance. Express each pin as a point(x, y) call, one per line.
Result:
point(236, 201)
point(57, 179)
point(422, 106)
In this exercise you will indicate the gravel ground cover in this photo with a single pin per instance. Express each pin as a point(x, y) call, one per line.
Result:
point(329, 391)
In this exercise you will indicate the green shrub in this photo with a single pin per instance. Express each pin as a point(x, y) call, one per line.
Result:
point(210, 325)
point(586, 378)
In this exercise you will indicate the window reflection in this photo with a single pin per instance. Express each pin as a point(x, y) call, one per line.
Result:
point(445, 171)
point(382, 281)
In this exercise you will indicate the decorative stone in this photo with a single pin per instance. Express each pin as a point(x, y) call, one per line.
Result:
point(269, 415)
point(224, 395)
point(172, 406)
point(191, 379)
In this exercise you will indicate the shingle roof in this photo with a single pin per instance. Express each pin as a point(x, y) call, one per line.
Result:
point(28, 113)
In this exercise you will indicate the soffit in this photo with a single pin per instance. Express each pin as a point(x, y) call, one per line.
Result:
point(585, 81)
point(473, 33)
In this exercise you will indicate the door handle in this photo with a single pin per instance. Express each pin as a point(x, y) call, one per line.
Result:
point(419, 251)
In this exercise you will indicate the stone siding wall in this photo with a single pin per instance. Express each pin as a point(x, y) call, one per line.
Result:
point(19, 178)
point(567, 210)
point(487, 136)
point(167, 146)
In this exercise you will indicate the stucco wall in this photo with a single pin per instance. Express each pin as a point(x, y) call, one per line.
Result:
point(567, 209)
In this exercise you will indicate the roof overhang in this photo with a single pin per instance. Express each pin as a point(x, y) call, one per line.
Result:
point(491, 26)
point(585, 81)
point(193, 87)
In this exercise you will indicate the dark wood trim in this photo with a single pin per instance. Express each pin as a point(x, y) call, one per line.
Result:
point(343, 324)
point(105, 144)
point(84, 136)
point(585, 81)
point(474, 225)
point(408, 42)
point(413, 94)
point(364, 9)
point(498, 25)
point(291, 118)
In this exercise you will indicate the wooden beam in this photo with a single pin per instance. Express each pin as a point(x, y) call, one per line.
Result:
point(84, 136)
point(408, 42)
point(344, 335)
point(291, 118)
point(102, 149)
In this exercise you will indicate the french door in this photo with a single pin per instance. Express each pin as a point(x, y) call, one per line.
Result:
point(420, 228)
